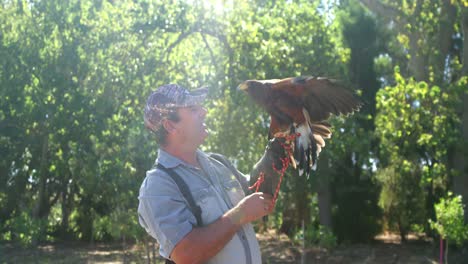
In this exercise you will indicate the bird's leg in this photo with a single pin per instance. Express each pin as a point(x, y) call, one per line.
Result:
point(288, 145)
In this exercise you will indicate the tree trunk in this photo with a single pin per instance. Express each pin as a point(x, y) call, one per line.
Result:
point(148, 250)
point(418, 62)
point(465, 41)
point(441, 250)
point(324, 203)
point(302, 199)
point(402, 230)
point(153, 247)
point(66, 209)
point(124, 248)
point(42, 199)
point(324, 194)
point(446, 251)
point(42, 204)
point(460, 181)
point(445, 33)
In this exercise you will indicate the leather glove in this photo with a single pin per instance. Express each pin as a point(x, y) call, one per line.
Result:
point(275, 155)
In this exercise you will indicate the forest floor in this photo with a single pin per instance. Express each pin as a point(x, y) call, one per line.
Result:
point(276, 249)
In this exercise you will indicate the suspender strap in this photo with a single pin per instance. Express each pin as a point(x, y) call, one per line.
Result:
point(168, 261)
point(240, 178)
point(182, 185)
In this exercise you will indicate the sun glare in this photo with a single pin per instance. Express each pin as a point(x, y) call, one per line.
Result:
point(217, 6)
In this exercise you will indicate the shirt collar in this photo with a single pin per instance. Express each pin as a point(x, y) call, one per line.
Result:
point(170, 161)
point(203, 158)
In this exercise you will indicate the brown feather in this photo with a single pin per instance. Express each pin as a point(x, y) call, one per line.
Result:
point(322, 130)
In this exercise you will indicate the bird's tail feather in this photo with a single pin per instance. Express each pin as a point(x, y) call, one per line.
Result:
point(310, 143)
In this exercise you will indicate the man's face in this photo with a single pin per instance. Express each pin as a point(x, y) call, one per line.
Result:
point(191, 127)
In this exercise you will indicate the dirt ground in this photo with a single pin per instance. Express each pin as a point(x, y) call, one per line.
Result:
point(386, 249)
point(275, 249)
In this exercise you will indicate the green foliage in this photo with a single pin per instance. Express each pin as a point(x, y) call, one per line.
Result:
point(402, 199)
point(450, 222)
point(321, 236)
point(421, 36)
point(414, 119)
point(118, 224)
point(24, 229)
point(353, 187)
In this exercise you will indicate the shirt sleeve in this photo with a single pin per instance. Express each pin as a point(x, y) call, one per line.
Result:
point(163, 212)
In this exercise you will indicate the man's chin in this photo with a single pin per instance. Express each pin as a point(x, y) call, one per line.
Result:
point(205, 135)
point(206, 131)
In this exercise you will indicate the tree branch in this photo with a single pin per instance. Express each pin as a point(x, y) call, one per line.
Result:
point(223, 39)
point(181, 37)
point(213, 59)
point(384, 11)
point(205, 31)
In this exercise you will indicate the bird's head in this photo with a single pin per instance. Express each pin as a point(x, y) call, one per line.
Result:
point(258, 90)
point(249, 86)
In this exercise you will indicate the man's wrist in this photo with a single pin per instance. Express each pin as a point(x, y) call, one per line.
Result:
point(235, 216)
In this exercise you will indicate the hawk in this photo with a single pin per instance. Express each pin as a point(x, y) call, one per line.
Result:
point(302, 105)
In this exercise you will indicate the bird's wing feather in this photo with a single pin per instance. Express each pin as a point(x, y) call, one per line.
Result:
point(289, 86)
point(321, 97)
point(332, 97)
point(295, 112)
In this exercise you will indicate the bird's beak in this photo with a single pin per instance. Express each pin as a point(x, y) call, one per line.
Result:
point(243, 87)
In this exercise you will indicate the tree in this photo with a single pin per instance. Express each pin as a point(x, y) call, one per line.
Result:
point(352, 149)
point(413, 121)
point(450, 223)
point(429, 45)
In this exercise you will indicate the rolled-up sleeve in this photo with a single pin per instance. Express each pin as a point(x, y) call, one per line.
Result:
point(163, 211)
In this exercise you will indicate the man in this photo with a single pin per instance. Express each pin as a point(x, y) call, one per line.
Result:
point(176, 117)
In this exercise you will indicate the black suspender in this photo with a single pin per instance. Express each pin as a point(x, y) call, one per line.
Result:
point(196, 210)
point(240, 178)
point(182, 185)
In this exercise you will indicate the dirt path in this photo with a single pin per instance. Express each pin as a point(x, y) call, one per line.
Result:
point(386, 249)
point(275, 248)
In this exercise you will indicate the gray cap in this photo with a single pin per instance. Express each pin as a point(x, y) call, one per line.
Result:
point(167, 97)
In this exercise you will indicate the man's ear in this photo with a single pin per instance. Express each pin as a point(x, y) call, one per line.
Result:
point(169, 126)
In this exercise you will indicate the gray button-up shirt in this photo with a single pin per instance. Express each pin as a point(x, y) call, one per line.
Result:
point(165, 214)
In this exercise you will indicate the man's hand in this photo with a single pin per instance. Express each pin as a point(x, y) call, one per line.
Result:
point(202, 243)
point(251, 208)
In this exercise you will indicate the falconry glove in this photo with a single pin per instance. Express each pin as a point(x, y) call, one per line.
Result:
point(266, 173)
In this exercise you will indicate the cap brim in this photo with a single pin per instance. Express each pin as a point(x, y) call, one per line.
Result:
point(196, 97)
